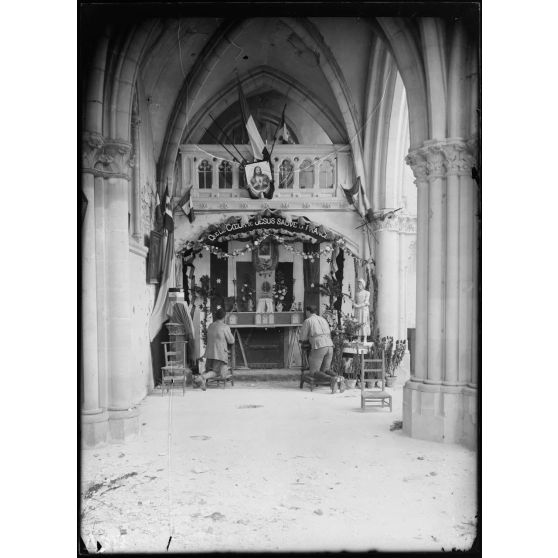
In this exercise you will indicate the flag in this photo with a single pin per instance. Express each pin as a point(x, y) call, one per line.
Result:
point(363, 203)
point(256, 141)
point(350, 193)
point(159, 212)
point(168, 220)
point(162, 305)
point(186, 205)
point(286, 137)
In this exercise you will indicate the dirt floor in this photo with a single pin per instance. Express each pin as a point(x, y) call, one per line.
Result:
point(256, 467)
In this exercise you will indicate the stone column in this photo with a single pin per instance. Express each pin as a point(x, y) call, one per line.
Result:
point(387, 271)
point(94, 420)
point(439, 401)
point(460, 256)
point(436, 264)
point(89, 301)
point(417, 161)
point(123, 418)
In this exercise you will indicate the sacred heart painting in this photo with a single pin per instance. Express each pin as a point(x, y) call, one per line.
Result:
point(258, 178)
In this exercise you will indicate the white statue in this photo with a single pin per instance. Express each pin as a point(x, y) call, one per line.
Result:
point(178, 279)
point(361, 308)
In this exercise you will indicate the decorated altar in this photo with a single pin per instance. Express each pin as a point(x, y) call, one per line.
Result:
point(264, 269)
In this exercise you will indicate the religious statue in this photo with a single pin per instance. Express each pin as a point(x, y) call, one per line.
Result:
point(178, 272)
point(361, 308)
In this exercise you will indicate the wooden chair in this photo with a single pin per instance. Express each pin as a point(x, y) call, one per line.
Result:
point(227, 377)
point(305, 367)
point(174, 371)
point(373, 371)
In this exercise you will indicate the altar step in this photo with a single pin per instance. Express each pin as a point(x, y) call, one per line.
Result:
point(267, 375)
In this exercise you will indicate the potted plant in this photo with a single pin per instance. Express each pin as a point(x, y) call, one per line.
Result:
point(341, 337)
point(395, 360)
point(393, 357)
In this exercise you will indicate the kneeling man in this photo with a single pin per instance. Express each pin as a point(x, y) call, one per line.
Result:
point(316, 331)
point(219, 335)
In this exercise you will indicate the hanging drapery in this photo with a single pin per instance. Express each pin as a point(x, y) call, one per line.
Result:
point(181, 315)
point(162, 305)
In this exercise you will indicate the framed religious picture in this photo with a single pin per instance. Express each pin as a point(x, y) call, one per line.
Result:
point(154, 259)
point(259, 178)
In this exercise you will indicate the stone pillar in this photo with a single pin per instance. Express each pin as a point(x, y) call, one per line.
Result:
point(387, 272)
point(89, 301)
point(439, 401)
point(136, 186)
point(391, 256)
point(94, 419)
point(417, 161)
point(123, 418)
point(436, 264)
point(100, 239)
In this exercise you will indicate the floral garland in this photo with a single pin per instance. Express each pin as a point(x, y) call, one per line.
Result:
point(257, 236)
point(312, 256)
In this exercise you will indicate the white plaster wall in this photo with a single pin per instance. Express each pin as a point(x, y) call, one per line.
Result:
point(142, 301)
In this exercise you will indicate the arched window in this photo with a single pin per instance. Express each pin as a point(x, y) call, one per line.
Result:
point(205, 172)
point(286, 174)
point(326, 174)
point(225, 175)
point(306, 174)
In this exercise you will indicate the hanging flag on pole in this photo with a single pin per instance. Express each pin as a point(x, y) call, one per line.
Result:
point(186, 205)
point(258, 147)
point(167, 216)
point(159, 212)
point(286, 136)
point(350, 193)
point(364, 203)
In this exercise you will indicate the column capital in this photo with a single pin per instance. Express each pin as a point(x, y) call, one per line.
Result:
point(451, 156)
point(106, 157)
point(460, 158)
point(401, 223)
point(435, 160)
point(416, 160)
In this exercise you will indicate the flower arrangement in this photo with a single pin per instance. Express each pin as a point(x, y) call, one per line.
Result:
point(247, 295)
point(280, 289)
point(246, 292)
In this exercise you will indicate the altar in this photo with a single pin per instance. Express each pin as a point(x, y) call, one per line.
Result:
point(289, 324)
